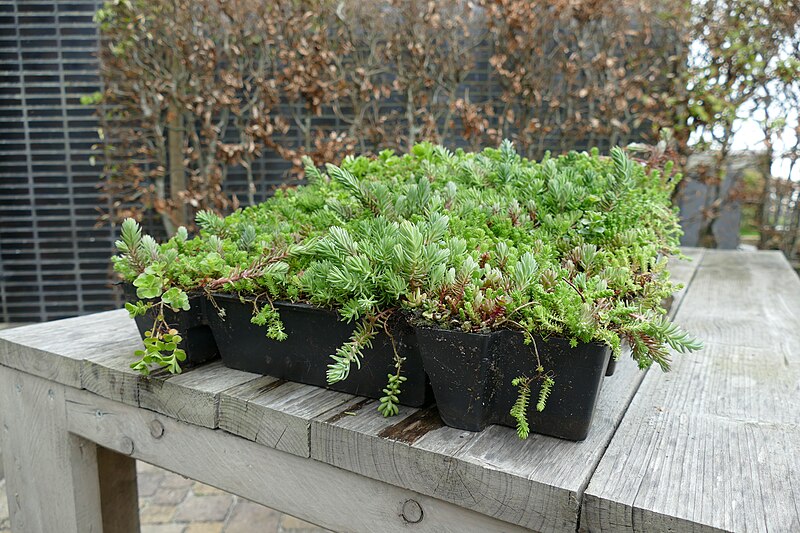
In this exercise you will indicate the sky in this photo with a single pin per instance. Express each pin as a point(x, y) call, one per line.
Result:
point(750, 137)
point(749, 134)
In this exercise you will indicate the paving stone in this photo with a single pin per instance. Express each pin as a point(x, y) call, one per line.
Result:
point(4, 521)
point(175, 481)
point(156, 514)
point(148, 482)
point(205, 527)
point(248, 517)
point(141, 466)
point(204, 508)
point(291, 524)
point(168, 496)
point(162, 528)
point(201, 489)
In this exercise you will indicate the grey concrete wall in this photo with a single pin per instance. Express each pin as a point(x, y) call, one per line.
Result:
point(694, 197)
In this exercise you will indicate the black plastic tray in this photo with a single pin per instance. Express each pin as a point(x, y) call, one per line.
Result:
point(471, 376)
point(314, 334)
point(612, 366)
point(198, 341)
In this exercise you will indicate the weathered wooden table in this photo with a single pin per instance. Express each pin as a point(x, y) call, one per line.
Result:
point(713, 445)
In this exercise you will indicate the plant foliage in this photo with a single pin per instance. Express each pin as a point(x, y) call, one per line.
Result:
point(573, 246)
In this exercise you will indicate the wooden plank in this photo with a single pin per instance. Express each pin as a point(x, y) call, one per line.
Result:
point(51, 476)
point(108, 372)
point(277, 414)
point(119, 494)
point(759, 296)
point(313, 491)
point(192, 396)
point(381, 448)
point(555, 471)
point(682, 271)
point(54, 350)
point(537, 483)
point(714, 444)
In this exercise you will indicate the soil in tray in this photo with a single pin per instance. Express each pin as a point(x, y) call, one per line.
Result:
point(313, 334)
point(198, 341)
point(471, 376)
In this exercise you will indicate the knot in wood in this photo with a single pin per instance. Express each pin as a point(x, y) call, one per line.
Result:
point(156, 429)
point(412, 512)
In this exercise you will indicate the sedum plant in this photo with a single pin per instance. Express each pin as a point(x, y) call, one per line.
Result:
point(573, 246)
point(145, 263)
point(164, 275)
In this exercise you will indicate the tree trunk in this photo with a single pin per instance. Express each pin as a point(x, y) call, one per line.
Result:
point(177, 171)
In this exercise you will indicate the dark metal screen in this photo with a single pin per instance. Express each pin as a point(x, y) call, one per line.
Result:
point(53, 262)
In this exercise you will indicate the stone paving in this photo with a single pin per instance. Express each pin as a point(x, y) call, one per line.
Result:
point(169, 503)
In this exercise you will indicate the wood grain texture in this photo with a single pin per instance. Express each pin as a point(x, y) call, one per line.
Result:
point(308, 489)
point(714, 444)
point(682, 271)
point(381, 448)
point(537, 483)
point(277, 414)
point(54, 350)
point(108, 372)
point(92, 352)
point(192, 396)
point(51, 476)
point(119, 494)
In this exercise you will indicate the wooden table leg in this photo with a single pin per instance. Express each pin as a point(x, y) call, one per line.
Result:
point(119, 496)
point(53, 477)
